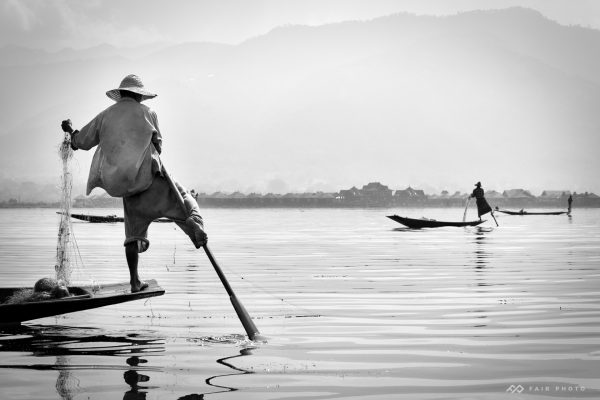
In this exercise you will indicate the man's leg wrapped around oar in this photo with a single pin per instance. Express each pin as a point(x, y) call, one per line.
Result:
point(158, 201)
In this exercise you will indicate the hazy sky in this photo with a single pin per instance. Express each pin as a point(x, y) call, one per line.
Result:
point(54, 24)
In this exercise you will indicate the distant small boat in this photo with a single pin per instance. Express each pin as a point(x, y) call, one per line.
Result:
point(98, 218)
point(107, 218)
point(83, 298)
point(523, 212)
point(430, 223)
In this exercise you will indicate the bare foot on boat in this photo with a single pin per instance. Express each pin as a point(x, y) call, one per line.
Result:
point(139, 286)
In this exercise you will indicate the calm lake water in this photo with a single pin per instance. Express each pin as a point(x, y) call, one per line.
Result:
point(354, 306)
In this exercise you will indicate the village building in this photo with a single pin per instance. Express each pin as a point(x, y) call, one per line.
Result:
point(516, 198)
point(351, 194)
point(459, 195)
point(517, 194)
point(376, 194)
point(554, 194)
point(410, 193)
point(493, 194)
point(373, 194)
point(409, 196)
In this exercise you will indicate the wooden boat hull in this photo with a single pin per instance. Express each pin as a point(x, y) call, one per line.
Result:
point(430, 223)
point(84, 298)
point(96, 218)
point(107, 218)
point(532, 212)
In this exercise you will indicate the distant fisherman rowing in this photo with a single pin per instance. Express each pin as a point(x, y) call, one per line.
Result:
point(482, 205)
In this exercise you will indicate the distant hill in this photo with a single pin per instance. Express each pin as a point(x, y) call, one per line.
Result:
point(506, 96)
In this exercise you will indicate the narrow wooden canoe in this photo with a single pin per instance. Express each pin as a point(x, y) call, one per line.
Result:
point(107, 218)
point(523, 212)
point(430, 223)
point(98, 218)
point(84, 298)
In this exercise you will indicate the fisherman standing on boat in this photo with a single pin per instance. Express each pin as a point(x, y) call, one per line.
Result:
point(482, 205)
point(570, 202)
point(127, 164)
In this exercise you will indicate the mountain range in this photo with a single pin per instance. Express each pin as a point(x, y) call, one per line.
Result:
point(507, 97)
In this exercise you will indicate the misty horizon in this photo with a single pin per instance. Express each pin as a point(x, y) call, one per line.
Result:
point(30, 192)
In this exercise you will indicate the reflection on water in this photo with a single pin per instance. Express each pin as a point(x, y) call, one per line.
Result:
point(481, 253)
point(226, 361)
point(64, 341)
point(67, 344)
point(133, 379)
point(66, 383)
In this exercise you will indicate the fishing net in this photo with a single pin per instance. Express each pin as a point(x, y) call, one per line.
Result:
point(20, 296)
point(44, 289)
point(63, 265)
point(49, 288)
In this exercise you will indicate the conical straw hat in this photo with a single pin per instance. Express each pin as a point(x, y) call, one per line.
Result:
point(131, 83)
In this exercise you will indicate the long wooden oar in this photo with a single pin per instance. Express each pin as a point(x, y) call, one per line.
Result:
point(466, 206)
point(492, 212)
point(241, 312)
